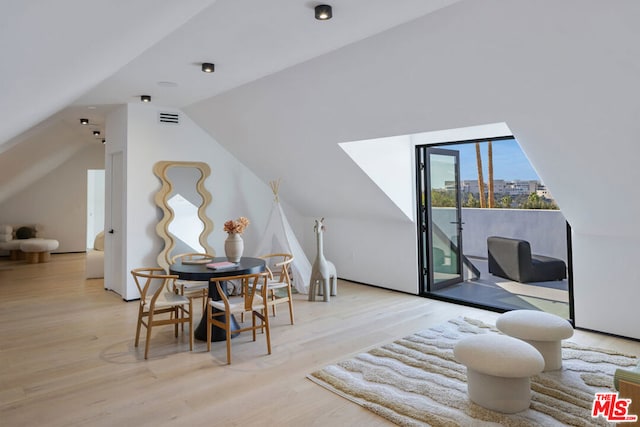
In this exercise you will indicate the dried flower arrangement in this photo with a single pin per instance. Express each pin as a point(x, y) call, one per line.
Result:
point(236, 226)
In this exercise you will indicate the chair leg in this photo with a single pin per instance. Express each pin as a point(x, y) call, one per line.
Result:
point(227, 318)
point(179, 317)
point(148, 337)
point(208, 327)
point(139, 325)
point(273, 298)
point(253, 322)
point(190, 325)
point(181, 312)
point(265, 322)
point(290, 304)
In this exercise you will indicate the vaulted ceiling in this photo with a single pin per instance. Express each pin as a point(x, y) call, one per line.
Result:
point(562, 75)
point(78, 58)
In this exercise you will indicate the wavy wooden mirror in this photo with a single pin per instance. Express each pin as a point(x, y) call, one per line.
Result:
point(183, 199)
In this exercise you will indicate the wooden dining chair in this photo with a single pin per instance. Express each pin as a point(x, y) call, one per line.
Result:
point(251, 301)
point(190, 288)
point(279, 265)
point(157, 300)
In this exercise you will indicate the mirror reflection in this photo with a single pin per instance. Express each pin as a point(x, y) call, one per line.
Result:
point(183, 199)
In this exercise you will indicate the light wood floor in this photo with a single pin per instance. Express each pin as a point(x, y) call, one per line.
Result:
point(67, 356)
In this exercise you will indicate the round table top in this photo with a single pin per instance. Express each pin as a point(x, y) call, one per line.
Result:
point(200, 272)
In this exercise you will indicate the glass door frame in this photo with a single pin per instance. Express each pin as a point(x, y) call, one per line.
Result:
point(425, 218)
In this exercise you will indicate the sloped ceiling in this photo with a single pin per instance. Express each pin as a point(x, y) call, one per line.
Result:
point(562, 75)
point(54, 52)
point(288, 89)
point(79, 58)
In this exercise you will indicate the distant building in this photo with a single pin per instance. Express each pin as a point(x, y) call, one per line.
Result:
point(502, 187)
point(543, 191)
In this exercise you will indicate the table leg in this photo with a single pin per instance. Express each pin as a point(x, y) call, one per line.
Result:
point(217, 334)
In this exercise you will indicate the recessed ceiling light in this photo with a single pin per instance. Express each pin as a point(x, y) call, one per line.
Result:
point(208, 67)
point(145, 98)
point(104, 140)
point(96, 132)
point(84, 121)
point(323, 12)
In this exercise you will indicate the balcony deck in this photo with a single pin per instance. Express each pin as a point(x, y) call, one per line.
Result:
point(500, 293)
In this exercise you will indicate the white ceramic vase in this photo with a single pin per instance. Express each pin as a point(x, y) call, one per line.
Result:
point(233, 247)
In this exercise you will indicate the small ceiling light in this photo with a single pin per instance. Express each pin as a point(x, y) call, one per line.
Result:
point(84, 121)
point(145, 98)
point(323, 12)
point(96, 133)
point(208, 67)
point(104, 140)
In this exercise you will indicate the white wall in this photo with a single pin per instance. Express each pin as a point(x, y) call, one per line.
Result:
point(235, 190)
point(369, 251)
point(544, 229)
point(57, 201)
point(561, 75)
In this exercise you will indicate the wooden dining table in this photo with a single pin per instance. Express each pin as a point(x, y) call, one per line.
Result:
point(200, 272)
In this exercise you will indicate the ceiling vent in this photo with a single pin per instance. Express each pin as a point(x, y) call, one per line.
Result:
point(170, 118)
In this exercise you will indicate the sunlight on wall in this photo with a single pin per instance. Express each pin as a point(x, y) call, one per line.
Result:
point(389, 161)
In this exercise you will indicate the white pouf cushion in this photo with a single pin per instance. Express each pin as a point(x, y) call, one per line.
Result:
point(11, 245)
point(94, 265)
point(38, 245)
point(498, 371)
point(38, 250)
point(542, 330)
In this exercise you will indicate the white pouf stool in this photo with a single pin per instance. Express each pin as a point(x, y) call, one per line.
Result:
point(544, 331)
point(13, 246)
point(498, 371)
point(38, 250)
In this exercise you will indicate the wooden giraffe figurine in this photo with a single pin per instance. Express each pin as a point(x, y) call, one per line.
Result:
point(323, 272)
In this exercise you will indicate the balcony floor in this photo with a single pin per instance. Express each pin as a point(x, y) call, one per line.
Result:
point(497, 292)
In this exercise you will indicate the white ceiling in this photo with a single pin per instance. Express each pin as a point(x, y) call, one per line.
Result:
point(70, 55)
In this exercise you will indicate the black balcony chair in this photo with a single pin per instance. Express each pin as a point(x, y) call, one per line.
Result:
point(512, 259)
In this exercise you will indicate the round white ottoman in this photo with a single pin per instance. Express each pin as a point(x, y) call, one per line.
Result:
point(544, 331)
point(13, 246)
point(38, 250)
point(498, 371)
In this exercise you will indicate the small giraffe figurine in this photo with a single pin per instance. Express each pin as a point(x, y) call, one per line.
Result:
point(323, 272)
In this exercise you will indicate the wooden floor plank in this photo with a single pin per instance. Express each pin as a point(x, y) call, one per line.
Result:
point(67, 355)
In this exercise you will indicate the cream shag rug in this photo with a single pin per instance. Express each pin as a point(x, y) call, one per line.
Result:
point(416, 381)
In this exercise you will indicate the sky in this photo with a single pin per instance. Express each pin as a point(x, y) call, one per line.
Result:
point(509, 162)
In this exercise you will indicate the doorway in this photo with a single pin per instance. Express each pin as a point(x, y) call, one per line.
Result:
point(95, 204)
point(453, 226)
point(115, 251)
point(441, 217)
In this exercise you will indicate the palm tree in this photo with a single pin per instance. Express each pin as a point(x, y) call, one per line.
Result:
point(480, 177)
point(490, 166)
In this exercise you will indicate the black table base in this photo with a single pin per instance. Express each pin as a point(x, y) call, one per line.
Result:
point(217, 334)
